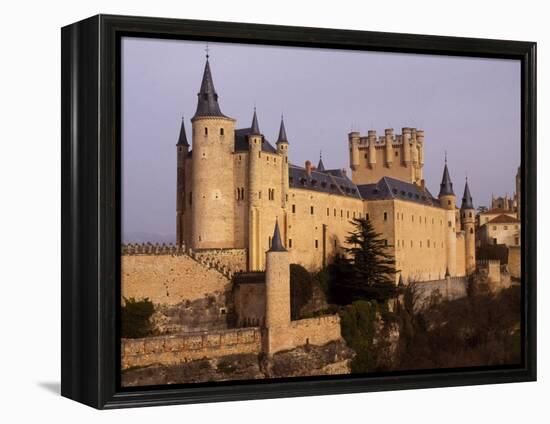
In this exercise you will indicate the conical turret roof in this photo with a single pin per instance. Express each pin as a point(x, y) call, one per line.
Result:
point(255, 128)
point(321, 165)
point(282, 133)
point(276, 242)
point(446, 187)
point(207, 104)
point(182, 140)
point(467, 202)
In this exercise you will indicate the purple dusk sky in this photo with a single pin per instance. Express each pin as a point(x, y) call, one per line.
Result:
point(469, 107)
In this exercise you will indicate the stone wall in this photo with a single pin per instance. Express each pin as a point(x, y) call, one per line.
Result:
point(171, 350)
point(169, 279)
point(449, 288)
point(232, 259)
point(316, 331)
point(514, 261)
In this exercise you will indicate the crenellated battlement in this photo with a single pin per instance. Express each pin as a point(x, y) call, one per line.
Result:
point(400, 156)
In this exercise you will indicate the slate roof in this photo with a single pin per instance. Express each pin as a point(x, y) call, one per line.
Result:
point(390, 188)
point(446, 187)
point(322, 181)
point(276, 242)
point(182, 140)
point(467, 202)
point(241, 141)
point(282, 133)
point(207, 104)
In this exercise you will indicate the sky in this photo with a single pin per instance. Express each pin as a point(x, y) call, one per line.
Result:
point(468, 107)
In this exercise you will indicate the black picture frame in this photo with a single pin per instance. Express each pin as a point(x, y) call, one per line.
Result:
point(90, 221)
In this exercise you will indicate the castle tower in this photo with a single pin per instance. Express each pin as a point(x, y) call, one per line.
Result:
point(468, 214)
point(395, 156)
point(447, 200)
point(353, 140)
point(277, 292)
point(255, 196)
point(282, 149)
point(212, 170)
point(182, 152)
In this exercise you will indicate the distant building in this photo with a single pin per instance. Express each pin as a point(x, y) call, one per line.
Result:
point(503, 229)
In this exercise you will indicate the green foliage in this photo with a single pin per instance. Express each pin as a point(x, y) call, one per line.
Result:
point(301, 289)
point(366, 271)
point(135, 318)
point(359, 322)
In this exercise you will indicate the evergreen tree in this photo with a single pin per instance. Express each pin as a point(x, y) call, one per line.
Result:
point(367, 270)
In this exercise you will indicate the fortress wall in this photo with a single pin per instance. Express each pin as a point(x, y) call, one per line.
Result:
point(514, 261)
point(454, 288)
point(303, 227)
point(317, 331)
point(460, 255)
point(167, 279)
point(171, 350)
point(249, 300)
point(418, 238)
point(233, 259)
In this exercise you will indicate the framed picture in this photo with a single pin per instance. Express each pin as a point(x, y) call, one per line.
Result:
point(253, 211)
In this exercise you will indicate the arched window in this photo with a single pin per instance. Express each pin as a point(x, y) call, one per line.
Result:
point(205, 131)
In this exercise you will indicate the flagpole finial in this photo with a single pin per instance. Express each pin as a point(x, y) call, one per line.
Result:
point(207, 50)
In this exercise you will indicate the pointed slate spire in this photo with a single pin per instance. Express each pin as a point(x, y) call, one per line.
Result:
point(255, 128)
point(446, 187)
point(467, 202)
point(207, 104)
point(276, 242)
point(282, 132)
point(321, 165)
point(182, 140)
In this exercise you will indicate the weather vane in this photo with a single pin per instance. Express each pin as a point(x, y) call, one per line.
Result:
point(207, 50)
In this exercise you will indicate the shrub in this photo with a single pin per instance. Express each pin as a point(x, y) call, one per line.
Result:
point(301, 289)
point(135, 318)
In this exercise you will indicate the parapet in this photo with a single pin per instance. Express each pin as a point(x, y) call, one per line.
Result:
point(412, 135)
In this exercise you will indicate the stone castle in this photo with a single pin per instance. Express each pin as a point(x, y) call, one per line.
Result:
point(233, 185)
point(245, 213)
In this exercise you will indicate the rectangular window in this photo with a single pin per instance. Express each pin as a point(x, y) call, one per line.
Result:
point(293, 208)
point(289, 242)
point(328, 212)
point(385, 216)
point(190, 198)
point(316, 244)
point(385, 243)
point(506, 227)
point(367, 216)
point(311, 210)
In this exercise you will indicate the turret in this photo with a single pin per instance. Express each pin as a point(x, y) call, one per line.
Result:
point(277, 292)
point(447, 201)
point(212, 170)
point(467, 214)
point(406, 137)
point(372, 148)
point(353, 139)
point(389, 147)
point(255, 252)
point(282, 149)
point(321, 165)
point(182, 148)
